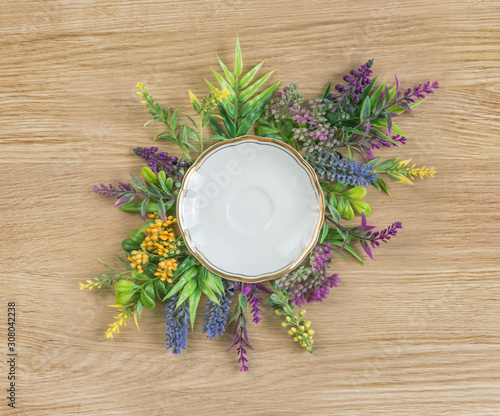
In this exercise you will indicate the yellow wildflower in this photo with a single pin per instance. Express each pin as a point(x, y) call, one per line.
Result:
point(114, 328)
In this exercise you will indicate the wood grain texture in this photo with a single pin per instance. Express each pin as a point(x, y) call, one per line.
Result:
point(415, 332)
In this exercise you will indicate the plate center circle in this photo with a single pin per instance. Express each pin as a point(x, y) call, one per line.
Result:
point(250, 210)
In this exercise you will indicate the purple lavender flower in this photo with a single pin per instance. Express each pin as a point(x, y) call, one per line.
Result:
point(375, 238)
point(410, 95)
point(356, 81)
point(375, 142)
point(341, 169)
point(126, 193)
point(254, 301)
point(177, 325)
point(162, 162)
point(241, 339)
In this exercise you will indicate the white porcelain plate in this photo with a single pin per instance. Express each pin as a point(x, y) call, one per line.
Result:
point(250, 209)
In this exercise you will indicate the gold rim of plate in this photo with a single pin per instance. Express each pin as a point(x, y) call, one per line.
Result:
point(316, 231)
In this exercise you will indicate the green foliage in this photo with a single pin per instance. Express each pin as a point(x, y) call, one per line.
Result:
point(244, 104)
point(345, 200)
point(169, 119)
point(193, 282)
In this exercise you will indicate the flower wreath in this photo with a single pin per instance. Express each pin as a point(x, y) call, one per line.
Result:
point(357, 118)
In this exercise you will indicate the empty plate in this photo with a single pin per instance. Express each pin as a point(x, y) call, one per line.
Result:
point(250, 209)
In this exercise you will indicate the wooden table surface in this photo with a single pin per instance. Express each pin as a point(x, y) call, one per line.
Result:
point(415, 332)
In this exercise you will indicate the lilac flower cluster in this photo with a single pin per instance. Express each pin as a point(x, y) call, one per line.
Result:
point(311, 283)
point(285, 105)
point(216, 317)
point(177, 325)
point(320, 292)
point(162, 162)
point(341, 169)
point(356, 81)
point(314, 131)
point(320, 258)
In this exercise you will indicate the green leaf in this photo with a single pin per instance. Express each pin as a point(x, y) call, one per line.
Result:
point(217, 128)
point(212, 88)
point(163, 184)
point(144, 208)
point(349, 249)
point(148, 174)
point(186, 264)
point(373, 162)
point(398, 110)
point(191, 120)
point(243, 302)
point(224, 84)
point(146, 298)
point(396, 129)
point(207, 291)
point(367, 90)
point(238, 60)
point(212, 284)
point(161, 210)
point(193, 133)
point(378, 133)
point(383, 186)
point(233, 315)
point(139, 185)
point(376, 95)
point(227, 72)
point(136, 207)
point(251, 117)
point(392, 93)
point(217, 280)
point(215, 137)
point(189, 288)
point(334, 213)
point(351, 155)
point(160, 288)
point(194, 300)
point(365, 110)
point(228, 122)
point(386, 164)
point(327, 89)
point(252, 89)
point(247, 78)
point(173, 120)
point(324, 232)
point(258, 100)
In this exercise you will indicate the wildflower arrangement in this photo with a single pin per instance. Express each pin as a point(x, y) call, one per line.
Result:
point(338, 134)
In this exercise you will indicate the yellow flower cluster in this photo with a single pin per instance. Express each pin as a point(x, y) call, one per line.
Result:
point(413, 171)
point(137, 259)
point(114, 328)
point(220, 95)
point(160, 238)
point(166, 269)
point(300, 330)
point(409, 174)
